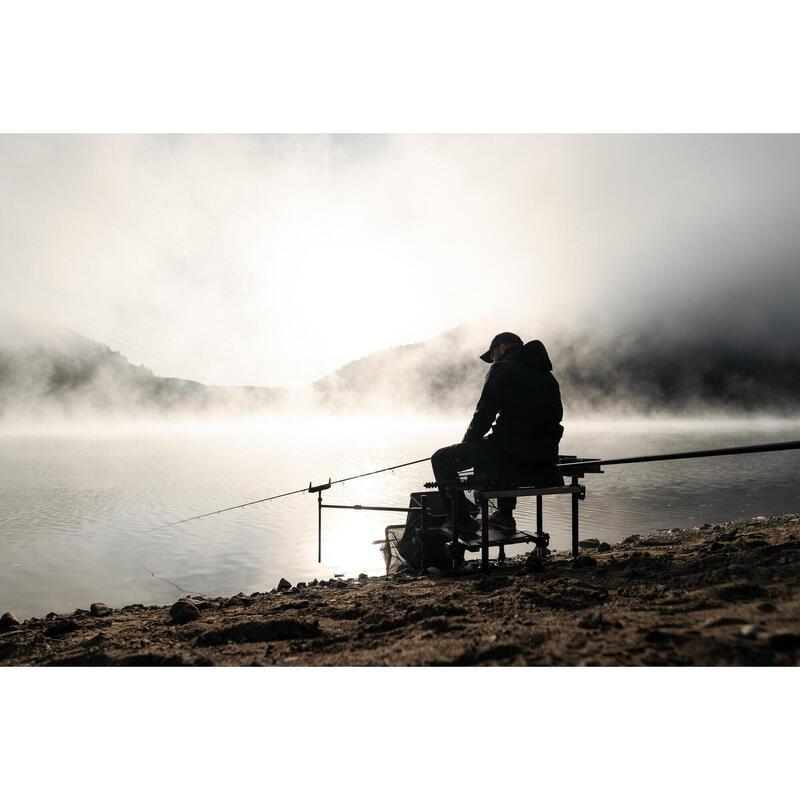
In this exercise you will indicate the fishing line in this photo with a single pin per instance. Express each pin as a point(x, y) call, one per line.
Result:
point(287, 494)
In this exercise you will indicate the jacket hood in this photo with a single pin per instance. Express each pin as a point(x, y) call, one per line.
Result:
point(533, 354)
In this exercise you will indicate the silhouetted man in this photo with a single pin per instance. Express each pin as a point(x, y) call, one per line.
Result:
point(522, 394)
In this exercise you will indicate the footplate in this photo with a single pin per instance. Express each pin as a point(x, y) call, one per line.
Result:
point(499, 538)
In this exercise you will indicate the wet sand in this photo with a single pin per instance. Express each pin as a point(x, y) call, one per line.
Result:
point(713, 595)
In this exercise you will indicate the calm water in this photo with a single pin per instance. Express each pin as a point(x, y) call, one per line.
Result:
point(75, 504)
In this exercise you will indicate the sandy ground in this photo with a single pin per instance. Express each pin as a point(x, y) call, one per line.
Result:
point(714, 595)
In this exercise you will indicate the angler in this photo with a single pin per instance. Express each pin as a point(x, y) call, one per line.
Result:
point(521, 403)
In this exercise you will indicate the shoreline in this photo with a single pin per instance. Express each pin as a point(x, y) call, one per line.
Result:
point(713, 595)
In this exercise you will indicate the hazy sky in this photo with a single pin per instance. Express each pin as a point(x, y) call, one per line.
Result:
point(273, 260)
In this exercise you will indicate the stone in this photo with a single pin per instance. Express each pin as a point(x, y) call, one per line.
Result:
point(363, 576)
point(719, 622)
point(8, 621)
point(184, 610)
point(300, 585)
point(751, 631)
point(591, 619)
point(61, 627)
point(603, 547)
point(99, 610)
point(590, 544)
point(533, 563)
point(583, 562)
point(632, 539)
point(284, 585)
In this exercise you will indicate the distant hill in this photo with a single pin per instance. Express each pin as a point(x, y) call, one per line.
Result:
point(61, 370)
point(731, 358)
point(659, 368)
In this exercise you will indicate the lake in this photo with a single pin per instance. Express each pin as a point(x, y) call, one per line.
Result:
point(76, 502)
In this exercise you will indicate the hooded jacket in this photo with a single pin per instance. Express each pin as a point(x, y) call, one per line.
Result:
point(521, 392)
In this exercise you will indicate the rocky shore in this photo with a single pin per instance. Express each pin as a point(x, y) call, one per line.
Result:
point(713, 595)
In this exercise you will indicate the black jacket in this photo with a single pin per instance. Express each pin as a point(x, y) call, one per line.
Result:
point(521, 389)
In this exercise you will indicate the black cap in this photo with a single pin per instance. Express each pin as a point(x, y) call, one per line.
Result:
point(501, 338)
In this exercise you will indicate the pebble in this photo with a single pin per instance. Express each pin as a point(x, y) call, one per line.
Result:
point(751, 631)
point(603, 547)
point(589, 543)
point(591, 619)
point(284, 585)
point(184, 611)
point(363, 576)
point(61, 627)
point(8, 621)
point(99, 610)
point(533, 563)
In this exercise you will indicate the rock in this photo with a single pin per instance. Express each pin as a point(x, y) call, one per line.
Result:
point(489, 583)
point(603, 547)
point(632, 539)
point(583, 562)
point(363, 576)
point(738, 592)
point(590, 544)
point(284, 585)
point(184, 610)
point(719, 622)
point(269, 631)
point(784, 641)
point(591, 619)
point(433, 571)
point(300, 585)
point(61, 627)
point(8, 621)
point(99, 610)
point(751, 631)
point(766, 608)
point(533, 563)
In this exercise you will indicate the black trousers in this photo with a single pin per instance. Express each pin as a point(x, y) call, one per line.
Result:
point(486, 458)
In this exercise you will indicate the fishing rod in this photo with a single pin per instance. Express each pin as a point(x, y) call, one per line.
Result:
point(755, 448)
point(309, 488)
point(722, 451)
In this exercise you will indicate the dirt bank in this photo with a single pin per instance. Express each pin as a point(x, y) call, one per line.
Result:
point(715, 595)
